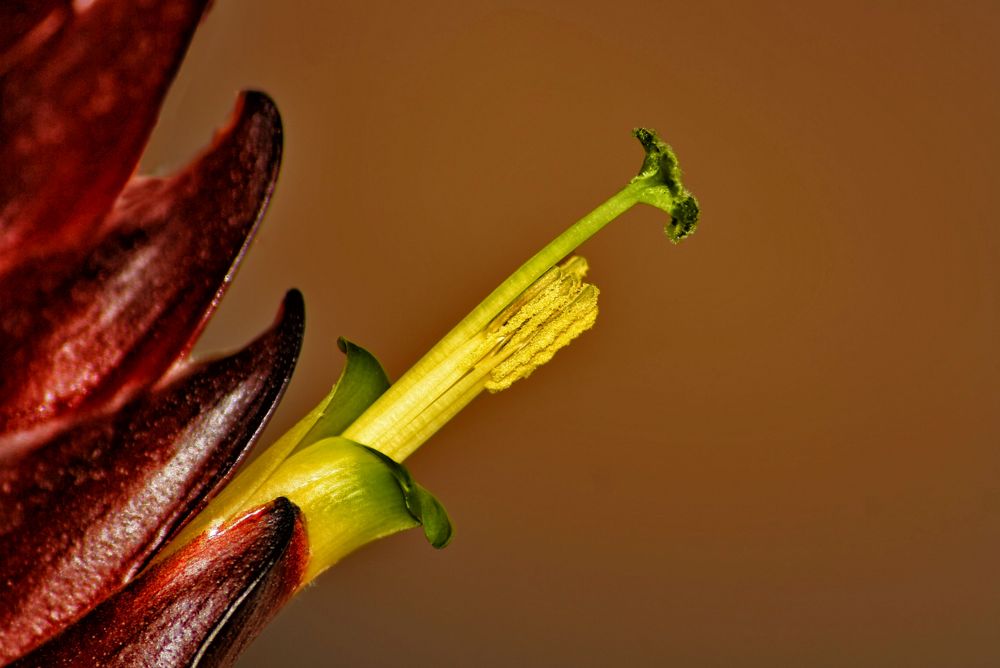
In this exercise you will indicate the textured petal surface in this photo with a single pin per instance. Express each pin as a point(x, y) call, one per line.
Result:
point(26, 24)
point(80, 515)
point(79, 329)
point(200, 606)
point(75, 114)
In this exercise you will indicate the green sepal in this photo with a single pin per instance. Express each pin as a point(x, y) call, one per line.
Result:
point(350, 495)
point(361, 383)
point(423, 506)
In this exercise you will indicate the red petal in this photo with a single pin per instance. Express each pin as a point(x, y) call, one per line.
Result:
point(83, 330)
point(203, 604)
point(26, 24)
point(75, 114)
point(84, 513)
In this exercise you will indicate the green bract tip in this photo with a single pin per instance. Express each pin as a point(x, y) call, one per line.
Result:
point(422, 505)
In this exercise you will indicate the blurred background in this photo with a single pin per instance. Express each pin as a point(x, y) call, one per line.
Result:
point(778, 446)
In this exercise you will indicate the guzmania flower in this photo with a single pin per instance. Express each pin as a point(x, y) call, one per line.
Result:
point(123, 541)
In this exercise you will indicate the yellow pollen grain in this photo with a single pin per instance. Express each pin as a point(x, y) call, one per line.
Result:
point(556, 309)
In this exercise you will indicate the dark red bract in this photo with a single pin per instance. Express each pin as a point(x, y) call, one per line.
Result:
point(79, 102)
point(84, 512)
point(201, 606)
point(110, 439)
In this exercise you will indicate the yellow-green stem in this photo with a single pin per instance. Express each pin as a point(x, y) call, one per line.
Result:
point(440, 366)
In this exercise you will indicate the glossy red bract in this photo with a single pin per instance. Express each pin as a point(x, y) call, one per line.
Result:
point(110, 438)
point(201, 606)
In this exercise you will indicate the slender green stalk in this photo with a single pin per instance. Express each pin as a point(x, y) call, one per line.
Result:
point(441, 363)
point(388, 426)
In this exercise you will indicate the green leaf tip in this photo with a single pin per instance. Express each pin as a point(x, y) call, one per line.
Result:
point(362, 381)
point(425, 507)
point(659, 184)
point(422, 505)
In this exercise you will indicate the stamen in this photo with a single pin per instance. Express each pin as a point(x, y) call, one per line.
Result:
point(549, 314)
point(554, 311)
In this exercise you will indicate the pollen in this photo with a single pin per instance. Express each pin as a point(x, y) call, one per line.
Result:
point(556, 309)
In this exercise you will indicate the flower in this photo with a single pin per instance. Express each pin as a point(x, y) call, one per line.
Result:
point(113, 443)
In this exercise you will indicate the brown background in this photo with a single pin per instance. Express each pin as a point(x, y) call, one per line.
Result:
point(778, 447)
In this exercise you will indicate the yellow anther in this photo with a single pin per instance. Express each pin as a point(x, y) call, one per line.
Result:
point(552, 312)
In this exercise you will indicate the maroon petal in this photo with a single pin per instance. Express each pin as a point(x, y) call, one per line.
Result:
point(202, 605)
point(26, 24)
point(84, 330)
point(75, 114)
point(82, 514)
